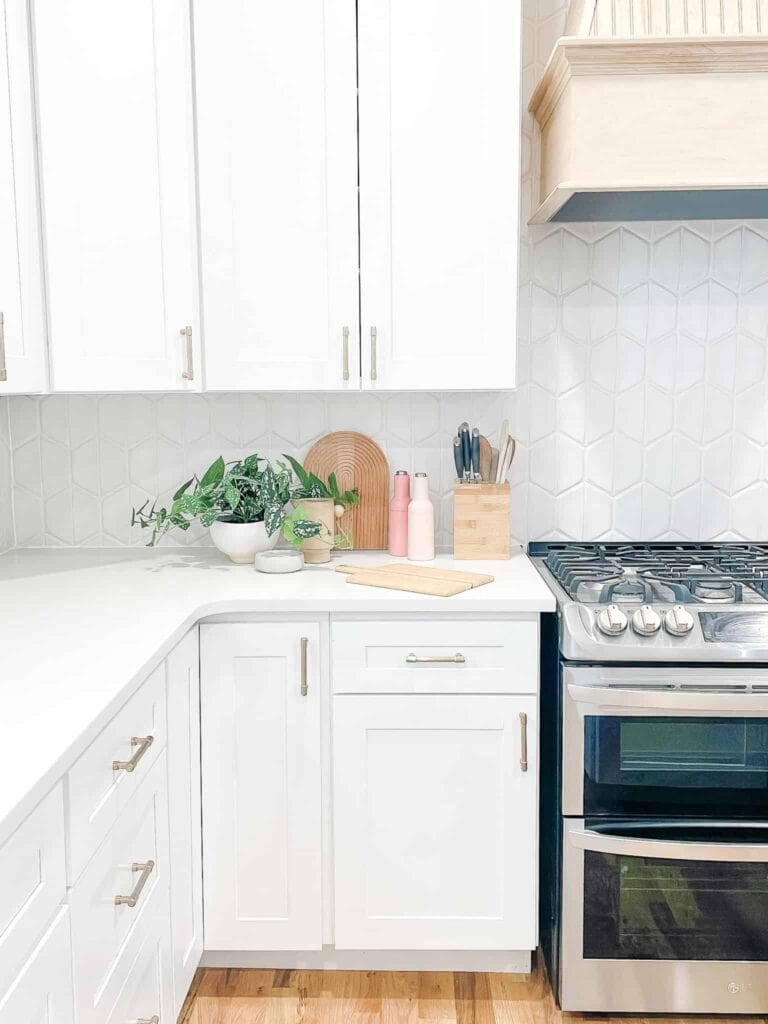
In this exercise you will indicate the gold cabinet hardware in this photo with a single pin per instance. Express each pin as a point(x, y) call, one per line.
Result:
point(435, 659)
point(189, 373)
point(142, 744)
point(3, 367)
point(148, 1020)
point(523, 742)
point(304, 679)
point(146, 870)
point(345, 345)
point(374, 336)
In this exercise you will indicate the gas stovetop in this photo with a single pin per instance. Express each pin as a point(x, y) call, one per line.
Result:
point(677, 602)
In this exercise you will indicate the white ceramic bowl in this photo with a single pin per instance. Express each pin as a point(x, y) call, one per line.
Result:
point(241, 541)
point(279, 561)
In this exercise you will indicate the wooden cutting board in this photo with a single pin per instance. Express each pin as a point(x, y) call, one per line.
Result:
point(359, 464)
point(416, 579)
point(475, 579)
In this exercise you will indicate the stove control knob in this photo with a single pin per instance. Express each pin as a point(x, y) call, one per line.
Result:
point(611, 620)
point(678, 621)
point(646, 620)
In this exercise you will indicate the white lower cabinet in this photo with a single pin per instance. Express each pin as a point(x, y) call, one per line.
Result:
point(146, 996)
point(261, 769)
point(435, 815)
point(183, 683)
point(42, 990)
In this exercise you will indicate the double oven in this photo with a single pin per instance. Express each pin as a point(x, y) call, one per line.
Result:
point(655, 837)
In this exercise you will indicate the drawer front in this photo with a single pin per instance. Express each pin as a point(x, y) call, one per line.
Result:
point(436, 656)
point(32, 881)
point(41, 993)
point(146, 991)
point(100, 926)
point(97, 789)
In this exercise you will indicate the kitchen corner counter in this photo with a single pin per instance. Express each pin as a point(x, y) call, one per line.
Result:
point(80, 629)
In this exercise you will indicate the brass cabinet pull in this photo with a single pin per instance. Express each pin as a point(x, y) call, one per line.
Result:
point(146, 870)
point(523, 742)
point(189, 373)
point(148, 1020)
point(142, 744)
point(304, 680)
point(374, 334)
point(450, 659)
point(3, 367)
point(345, 336)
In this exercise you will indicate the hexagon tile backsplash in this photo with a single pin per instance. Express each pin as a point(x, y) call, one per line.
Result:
point(640, 413)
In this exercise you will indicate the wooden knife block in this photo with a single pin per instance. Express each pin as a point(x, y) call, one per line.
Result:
point(481, 521)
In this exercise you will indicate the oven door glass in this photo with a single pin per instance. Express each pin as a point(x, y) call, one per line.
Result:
point(675, 764)
point(672, 908)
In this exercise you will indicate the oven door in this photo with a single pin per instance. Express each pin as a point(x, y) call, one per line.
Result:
point(665, 742)
point(664, 917)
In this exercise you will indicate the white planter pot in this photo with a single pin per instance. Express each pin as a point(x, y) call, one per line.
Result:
point(241, 541)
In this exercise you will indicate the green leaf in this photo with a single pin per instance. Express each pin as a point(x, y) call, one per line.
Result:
point(232, 495)
point(214, 474)
point(298, 469)
point(274, 515)
point(183, 489)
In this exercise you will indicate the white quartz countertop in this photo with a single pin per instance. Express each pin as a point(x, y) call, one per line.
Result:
point(80, 629)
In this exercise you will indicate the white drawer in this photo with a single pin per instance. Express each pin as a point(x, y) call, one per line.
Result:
point(436, 656)
point(97, 791)
point(41, 993)
point(146, 992)
point(32, 881)
point(101, 927)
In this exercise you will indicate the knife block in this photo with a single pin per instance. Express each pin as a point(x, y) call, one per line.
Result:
point(481, 521)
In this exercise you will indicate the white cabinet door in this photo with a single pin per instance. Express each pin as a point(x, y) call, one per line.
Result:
point(42, 991)
point(439, 192)
point(114, 89)
point(435, 822)
point(276, 113)
point(183, 683)
point(261, 786)
point(22, 321)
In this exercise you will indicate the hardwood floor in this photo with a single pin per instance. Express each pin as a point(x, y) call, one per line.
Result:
point(381, 997)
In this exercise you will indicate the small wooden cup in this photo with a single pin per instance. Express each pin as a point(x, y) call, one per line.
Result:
point(481, 521)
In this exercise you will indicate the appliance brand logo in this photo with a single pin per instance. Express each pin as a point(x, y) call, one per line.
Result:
point(735, 987)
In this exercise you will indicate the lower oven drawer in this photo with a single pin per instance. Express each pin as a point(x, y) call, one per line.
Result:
point(664, 917)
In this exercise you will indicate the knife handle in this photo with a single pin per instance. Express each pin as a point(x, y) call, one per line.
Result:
point(466, 449)
point(475, 453)
point(458, 458)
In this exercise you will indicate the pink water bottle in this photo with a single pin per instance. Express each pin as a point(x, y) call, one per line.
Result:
point(398, 515)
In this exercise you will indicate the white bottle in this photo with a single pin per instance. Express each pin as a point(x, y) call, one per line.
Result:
point(421, 522)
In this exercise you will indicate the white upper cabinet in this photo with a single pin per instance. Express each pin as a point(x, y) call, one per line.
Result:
point(276, 119)
point(22, 328)
point(114, 91)
point(439, 192)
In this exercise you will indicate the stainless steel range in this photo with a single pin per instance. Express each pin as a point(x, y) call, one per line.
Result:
point(654, 887)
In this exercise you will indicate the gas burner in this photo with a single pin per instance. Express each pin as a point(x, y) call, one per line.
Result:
point(679, 573)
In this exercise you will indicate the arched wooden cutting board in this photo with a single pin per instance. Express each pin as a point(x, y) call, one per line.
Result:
point(360, 464)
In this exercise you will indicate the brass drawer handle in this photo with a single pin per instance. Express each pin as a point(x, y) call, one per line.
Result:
point(131, 901)
point(374, 370)
point(345, 367)
point(523, 742)
point(186, 333)
point(304, 676)
point(3, 368)
point(142, 744)
point(445, 659)
point(148, 1020)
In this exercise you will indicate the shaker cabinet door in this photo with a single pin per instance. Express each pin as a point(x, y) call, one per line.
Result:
point(276, 126)
point(22, 324)
point(42, 990)
point(435, 817)
point(114, 92)
point(439, 192)
point(183, 684)
point(261, 786)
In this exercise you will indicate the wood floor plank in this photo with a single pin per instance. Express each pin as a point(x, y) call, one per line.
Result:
point(237, 996)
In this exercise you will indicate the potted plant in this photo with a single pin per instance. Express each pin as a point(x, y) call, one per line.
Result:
point(242, 503)
point(324, 503)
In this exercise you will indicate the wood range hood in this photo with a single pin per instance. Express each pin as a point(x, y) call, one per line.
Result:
point(655, 110)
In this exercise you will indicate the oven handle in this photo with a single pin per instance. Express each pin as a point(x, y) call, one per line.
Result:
point(599, 842)
point(650, 700)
